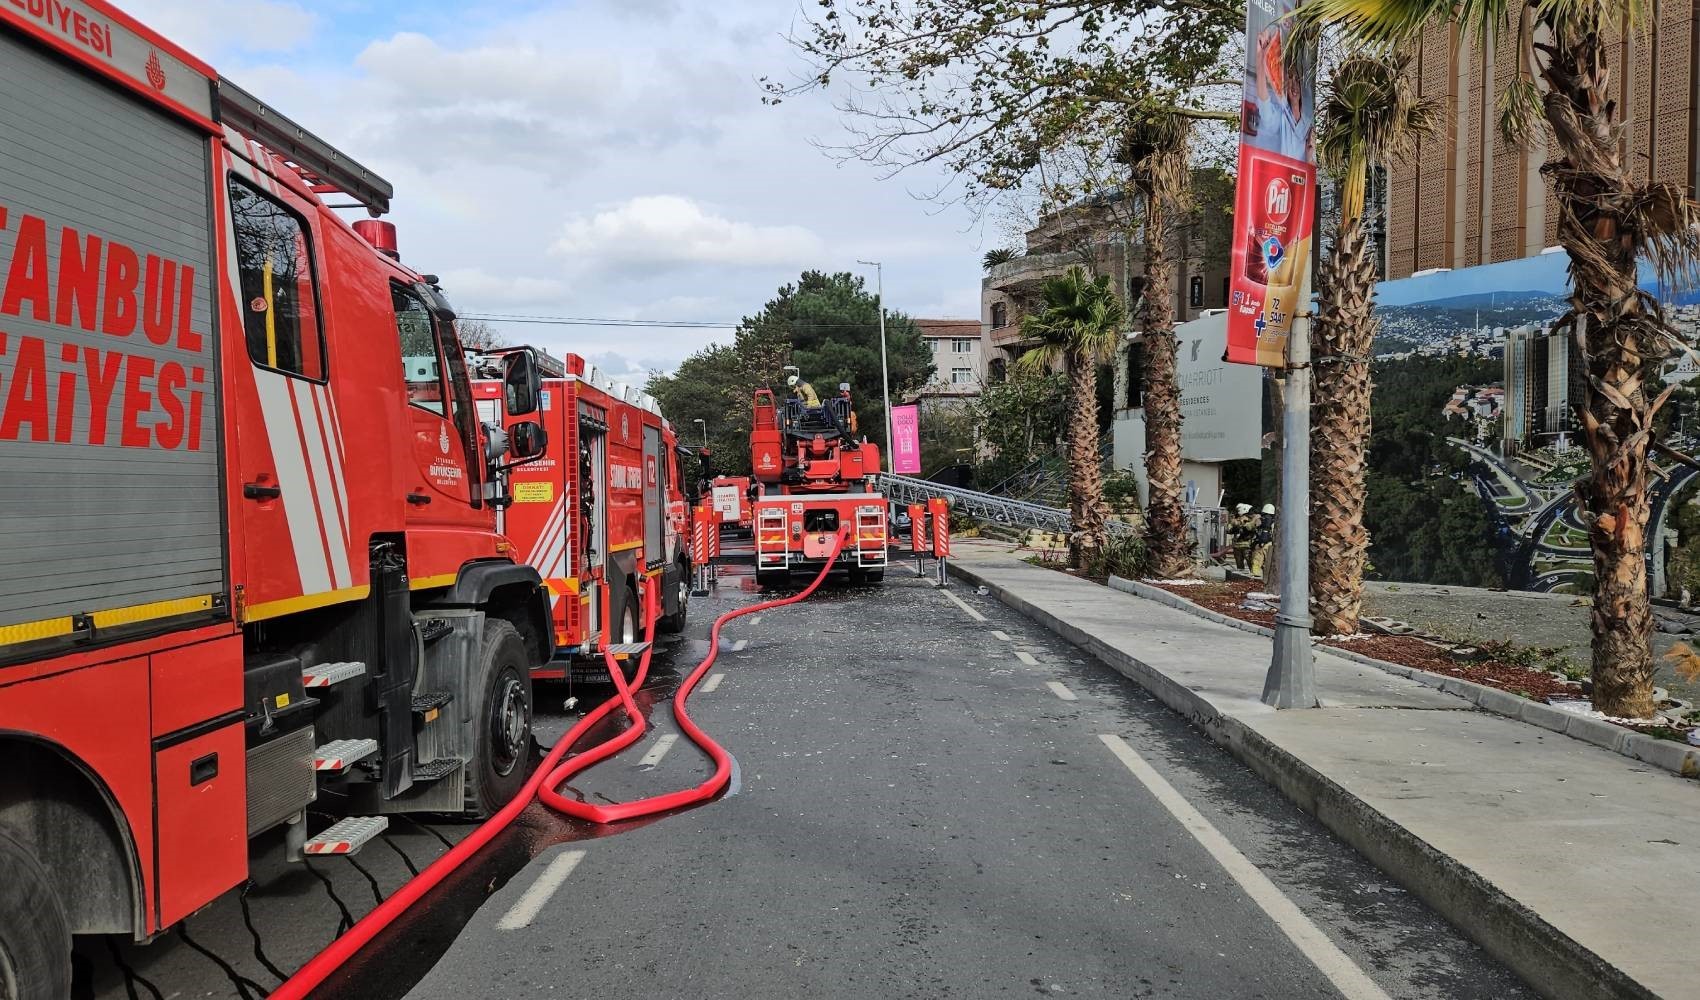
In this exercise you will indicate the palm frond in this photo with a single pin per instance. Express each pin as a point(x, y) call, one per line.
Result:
point(1391, 22)
point(1082, 317)
point(1370, 114)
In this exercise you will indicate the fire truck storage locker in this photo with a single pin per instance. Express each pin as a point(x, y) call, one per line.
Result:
point(111, 502)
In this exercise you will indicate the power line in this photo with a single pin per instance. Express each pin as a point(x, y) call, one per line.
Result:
point(686, 324)
point(657, 324)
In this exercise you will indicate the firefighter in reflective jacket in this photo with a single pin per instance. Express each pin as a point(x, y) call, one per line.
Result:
point(803, 391)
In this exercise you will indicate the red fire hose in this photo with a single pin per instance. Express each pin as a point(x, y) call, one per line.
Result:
point(551, 773)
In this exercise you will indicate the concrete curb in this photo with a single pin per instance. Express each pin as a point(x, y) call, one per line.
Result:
point(1551, 962)
point(1677, 758)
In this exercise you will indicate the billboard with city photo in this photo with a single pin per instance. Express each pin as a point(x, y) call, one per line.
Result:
point(1477, 347)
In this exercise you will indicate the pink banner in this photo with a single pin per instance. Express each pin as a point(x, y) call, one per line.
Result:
point(906, 439)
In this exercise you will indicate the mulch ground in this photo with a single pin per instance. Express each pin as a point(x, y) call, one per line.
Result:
point(1227, 598)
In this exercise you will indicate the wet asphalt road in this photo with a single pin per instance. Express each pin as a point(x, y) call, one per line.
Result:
point(921, 814)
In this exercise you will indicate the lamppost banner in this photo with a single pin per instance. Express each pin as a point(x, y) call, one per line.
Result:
point(1276, 192)
point(906, 440)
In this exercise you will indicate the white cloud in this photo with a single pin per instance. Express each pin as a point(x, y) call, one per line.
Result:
point(497, 77)
point(209, 28)
point(498, 292)
point(666, 231)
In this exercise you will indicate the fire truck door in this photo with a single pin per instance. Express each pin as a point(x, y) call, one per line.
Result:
point(295, 494)
point(654, 510)
point(490, 413)
point(438, 408)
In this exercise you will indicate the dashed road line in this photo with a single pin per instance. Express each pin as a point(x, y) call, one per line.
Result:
point(1000, 636)
point(1350, 980)
point(977, 616)
point(1061, 690)
point(740, 645)
point(755, 619)
point(532, 901)
point(659, 750)
point(1025, 657)
point(712, 683)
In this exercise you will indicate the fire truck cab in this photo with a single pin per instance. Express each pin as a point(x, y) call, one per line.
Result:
point(601, 514)
point(731, 496)
point(248, 549)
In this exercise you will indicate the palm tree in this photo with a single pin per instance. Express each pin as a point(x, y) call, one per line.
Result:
point(1157, 154)
point(1080, 324)
point(1606, 221)
point(1369, 114)
point(1000, 255)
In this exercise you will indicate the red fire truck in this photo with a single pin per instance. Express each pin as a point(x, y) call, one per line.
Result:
point(815, 476)
point(599, 511)
point(730, 496)
point(247, 541)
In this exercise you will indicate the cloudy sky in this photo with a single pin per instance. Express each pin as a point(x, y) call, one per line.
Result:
point(597, 158)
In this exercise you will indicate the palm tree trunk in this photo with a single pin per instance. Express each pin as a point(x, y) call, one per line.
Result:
point(1085, 478)
point(1618, 333)
point(1166, 527)
point(1340, 415)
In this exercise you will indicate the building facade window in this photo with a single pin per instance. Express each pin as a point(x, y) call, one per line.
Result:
point(1000, 315)
point(1195, 291)
point(961, 376)
point(961, 345)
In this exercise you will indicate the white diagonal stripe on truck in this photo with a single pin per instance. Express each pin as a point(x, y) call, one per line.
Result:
point(328, 504)
point(291, 470)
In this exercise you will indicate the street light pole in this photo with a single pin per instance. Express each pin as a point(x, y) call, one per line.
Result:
point(885, 374)
point(1291, 681)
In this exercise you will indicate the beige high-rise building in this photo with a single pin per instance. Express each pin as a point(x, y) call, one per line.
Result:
point(1468, 198)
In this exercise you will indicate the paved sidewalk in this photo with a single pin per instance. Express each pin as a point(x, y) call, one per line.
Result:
point(1578, 868)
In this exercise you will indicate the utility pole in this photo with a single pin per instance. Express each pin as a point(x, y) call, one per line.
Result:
point(885, 374)
point(1291, 681)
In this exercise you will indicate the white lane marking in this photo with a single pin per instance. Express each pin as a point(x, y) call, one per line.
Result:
point(712, 683)
point(659, 750)
point(1061, 690)
point(740, 645)
point(977, 616)
point(1305, 935)
point(1000, 636)
point(532, 901)
point(755, 619)
point(1025, 657)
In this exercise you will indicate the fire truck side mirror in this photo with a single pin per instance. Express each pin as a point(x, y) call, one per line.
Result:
point(521, 385)
point(527, 440)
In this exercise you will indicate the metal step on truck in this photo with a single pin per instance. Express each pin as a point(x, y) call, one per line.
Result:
point(248, 554)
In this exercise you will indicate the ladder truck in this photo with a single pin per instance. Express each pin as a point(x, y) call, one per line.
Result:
point(248, 550)
point(814, 477)
point(601, 514)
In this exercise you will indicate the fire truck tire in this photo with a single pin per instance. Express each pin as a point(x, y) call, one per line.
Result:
point(501, 756)
point(35, 937)
point(674, 623)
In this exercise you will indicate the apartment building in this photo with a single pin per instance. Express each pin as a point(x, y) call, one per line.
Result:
point(959, 357)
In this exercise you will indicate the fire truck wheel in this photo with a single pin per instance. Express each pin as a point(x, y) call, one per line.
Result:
point(674, 623)
point(35, 938)
point(502, 728)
